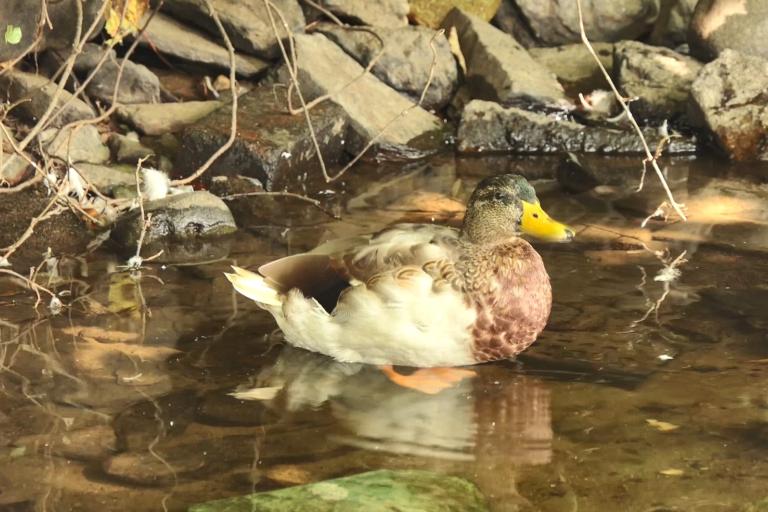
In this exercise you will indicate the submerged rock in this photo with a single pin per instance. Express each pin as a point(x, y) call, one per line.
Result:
point(272, 145)
point(168, 36)
point(554, 22)
point(659, 77)
point(161, 118)
point(432, 12)
point(494, 64)
point(382, 13)
point(487, 126)
point(34, 93)
point(406, 60)
point(176, 218)
point(375, 491)
point(729, 96)
point(246, 21)
point(574, 66)
point(738, 25)
point(137, 83)
point(77, 144)
point(372, 108)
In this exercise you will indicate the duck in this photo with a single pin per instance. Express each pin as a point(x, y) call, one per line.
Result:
point(419, 295)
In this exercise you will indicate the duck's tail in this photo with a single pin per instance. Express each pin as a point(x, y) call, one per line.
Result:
point(255, 287)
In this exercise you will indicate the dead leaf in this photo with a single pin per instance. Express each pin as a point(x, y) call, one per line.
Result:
point(98, 333)
point(672, 472)
point(116, 27)
point(662, 426)
point(266, 393)
point(453, 42)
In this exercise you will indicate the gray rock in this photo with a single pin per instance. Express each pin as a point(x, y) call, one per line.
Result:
point(574, 66)
point(24, 15)
point(373, 109)
point(494, 64)
point(178, 217)
point(13, 169)
point(272, 145)
point(509, 20)
point(246, 21)
point(63, 19)
point(554, 22)
point(107, 178)
point(406, 59)
point(161, 118)
point(168, 36)
point(78, 144)
point(729, 96)
point(128, 149)
point(671, 27)
point(38, 92)
point(382, 13)
point(659, 77)
point(740, 25)
point(487, 126)
point(137, 83)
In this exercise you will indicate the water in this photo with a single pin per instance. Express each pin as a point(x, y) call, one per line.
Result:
point(641, 395)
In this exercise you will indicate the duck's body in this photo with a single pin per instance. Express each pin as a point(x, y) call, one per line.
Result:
point(415, 295)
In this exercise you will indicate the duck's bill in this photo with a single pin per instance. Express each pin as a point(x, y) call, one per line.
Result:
point(536, 222)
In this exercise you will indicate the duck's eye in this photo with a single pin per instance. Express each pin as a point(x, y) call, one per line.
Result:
point(499, 195)
point(535, 215)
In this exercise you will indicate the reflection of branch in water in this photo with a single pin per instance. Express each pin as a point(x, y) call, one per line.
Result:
point(669, 273)
point(161, 432)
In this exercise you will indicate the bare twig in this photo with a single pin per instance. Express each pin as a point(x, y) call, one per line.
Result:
point(233, 89)
point(650, 157)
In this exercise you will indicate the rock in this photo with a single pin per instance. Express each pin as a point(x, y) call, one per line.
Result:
point(494, 64)
point(431, 13)
point(39, 91)
point(161, 118)
point(729, 97)
point(77, 144)
point(374, 491)
point(382, 13)
point(554, 22)
point(659, 77)
point(178, 217)
point(13, 169)
point(324, 68)
point(574, 66)
point(63, 19)
point(509, 20)
point(24, 15)
point(246, 21)
point(137, 83)
point(272, 145)
point(127, 149)
point(736, 24)
point(406, 60)
point(168, 36)
point(487, 126)
point(107, 178)
point(671, 28)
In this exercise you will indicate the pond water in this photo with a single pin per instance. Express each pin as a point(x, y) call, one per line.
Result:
point(648, 391)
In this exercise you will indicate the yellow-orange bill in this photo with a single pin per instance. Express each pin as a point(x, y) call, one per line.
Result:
point(537, 223)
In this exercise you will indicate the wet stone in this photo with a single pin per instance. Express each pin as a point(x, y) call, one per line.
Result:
point(178, 217)
point(375, 491)
point(219, 408)
point(272, 145)
point(487, 126)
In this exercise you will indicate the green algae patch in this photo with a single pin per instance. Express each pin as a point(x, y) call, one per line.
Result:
point(375, 491)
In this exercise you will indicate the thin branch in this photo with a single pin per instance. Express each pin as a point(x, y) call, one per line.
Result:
point(625, 105)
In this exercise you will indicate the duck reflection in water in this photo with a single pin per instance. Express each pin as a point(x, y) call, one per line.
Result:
point(483, 426)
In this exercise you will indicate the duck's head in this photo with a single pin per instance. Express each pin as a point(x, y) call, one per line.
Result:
point(505, 206)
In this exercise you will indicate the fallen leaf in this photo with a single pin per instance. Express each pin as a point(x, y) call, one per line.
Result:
point(453, 42)
point(672, 472)
point(663, 426)
point(129, 24)
point(12, 34)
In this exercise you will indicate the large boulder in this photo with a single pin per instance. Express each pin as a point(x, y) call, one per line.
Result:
point(34, 93)
point(671, 27)
point(373, 109)
point(406, 60)
point(495, 62)
point(246, 21)
point(740, 25)
point(272, 145)
point(554, 22)
point(660, 78)
point(574, 67)
point(487, 126)
point(729, 96)
point(432, 12)
point(169, 37)
point(75, 144)
point(382, 13)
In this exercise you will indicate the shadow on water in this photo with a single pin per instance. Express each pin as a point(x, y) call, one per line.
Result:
point(646, 391)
